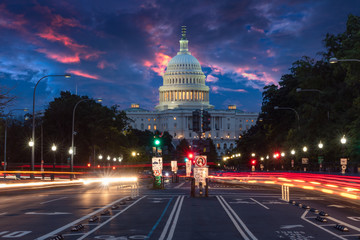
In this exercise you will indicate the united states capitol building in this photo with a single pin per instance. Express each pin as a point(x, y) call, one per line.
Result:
point(184, 91)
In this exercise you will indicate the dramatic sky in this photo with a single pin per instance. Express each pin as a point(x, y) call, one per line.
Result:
point(118, 50)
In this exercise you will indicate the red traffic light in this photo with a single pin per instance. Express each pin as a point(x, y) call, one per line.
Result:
point(277, 155)
point(89, 165)
point(190, 155)
point(253, 162)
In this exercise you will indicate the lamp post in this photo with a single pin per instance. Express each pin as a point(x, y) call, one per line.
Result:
point(33, 123)
point(335, 60)
point(73, 133)
point(343, 160)
point(320, 158)
point(5, 130)
point(288, 108)
point(53, 148)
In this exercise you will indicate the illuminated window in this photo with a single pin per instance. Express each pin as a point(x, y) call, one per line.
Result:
point(154, 119)
point(252, 120)
point(218, 146)
point(154, 127)
point(209, 135)
point(187, 95)
point(174, 118)
point(247, 120)
point(149, 119)
point(149, 127)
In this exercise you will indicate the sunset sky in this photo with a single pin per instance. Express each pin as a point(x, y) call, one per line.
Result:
point(118, 50)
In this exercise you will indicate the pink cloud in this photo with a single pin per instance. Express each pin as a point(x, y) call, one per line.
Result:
point(257, 29)
point(211, 78)
point(83, 74)
point(52, 36)
point(60, 57)
point(59, 21)
point(159, 64)
point(275, 69)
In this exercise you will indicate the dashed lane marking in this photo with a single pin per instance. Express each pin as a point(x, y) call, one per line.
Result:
point(180, 185)
point(57, 199)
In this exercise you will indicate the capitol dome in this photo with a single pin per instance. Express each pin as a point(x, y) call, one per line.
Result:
point(183, 82)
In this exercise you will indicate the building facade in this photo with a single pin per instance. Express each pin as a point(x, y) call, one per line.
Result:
point(184, 91)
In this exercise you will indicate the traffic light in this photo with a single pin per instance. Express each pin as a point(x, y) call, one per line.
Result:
point(206, 117)
point(186, 159)
point(190, 155)
point(157, 142)
point(196, 120)
point(89, 164)
point(253, 162)
point(277, 155)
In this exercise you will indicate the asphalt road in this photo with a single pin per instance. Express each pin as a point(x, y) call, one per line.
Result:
point(230, 212)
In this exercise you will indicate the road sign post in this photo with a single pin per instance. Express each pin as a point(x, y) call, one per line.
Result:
point(343, 163)
point(188, 168)
point(157, 166)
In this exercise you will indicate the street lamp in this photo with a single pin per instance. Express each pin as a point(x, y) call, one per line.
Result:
point(320, 145)
point(6, 119)
point(253, 154)
point(53, 148)
point(31, 143)
point(73, 133)
point(33, 123)
point(305, 149)
point(292, 152)
point(108, 158)
point(288, 108)
point(343, 140)
point(100, 157)
point(133, 154)
point(335, 60)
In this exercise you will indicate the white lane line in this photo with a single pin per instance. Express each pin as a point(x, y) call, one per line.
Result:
point(56, 231)
point(57, 199)
point(242, 233)
point(260, 204)
point(326, 230)
point(239, 220)
point(3, 213)
point(102, 224)
point(163, 234)
point(180, 185)
point(351, 235)
point(172, 229)
point(344, 223)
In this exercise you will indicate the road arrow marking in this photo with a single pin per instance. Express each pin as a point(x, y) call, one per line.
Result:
point(357, 219)
point(336, 206)
point(53, 213)
point(290, 226)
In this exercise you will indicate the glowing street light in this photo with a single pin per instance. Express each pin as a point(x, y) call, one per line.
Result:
point(71, 152)
point(133, 154)
point(305, 149)
point(31, 143)
point(335, 60)
point(320, 145)
point(343, 140)
point(282, 154)
point(53, 148)
point(100, 157)
point(292, 152)
point(253, 154)
point(108, 158)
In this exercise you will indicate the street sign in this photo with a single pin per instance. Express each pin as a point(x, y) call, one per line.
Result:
point(200, 161)
point(292, 163)
point(157, 163)
point(188, 168)
point(343, 161)
point(157, 172)
point(305, 160)
point(200, 175)
point(320, 159)
point(174, 167)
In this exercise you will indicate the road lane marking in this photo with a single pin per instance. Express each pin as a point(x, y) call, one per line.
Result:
point(57, 199)
point(180, 185)
point(291, 226)
point(260, 204)
point(172, 229)
point(56, 231)
point(326, 230)
point(108, 220)
point(229, 210)
point(357, 219)
point(48, 213)
point(158, 221)
point(163, 234)
point(3, 213)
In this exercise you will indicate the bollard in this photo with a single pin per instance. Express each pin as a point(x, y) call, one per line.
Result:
point(192, 192)
point(207, 187)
